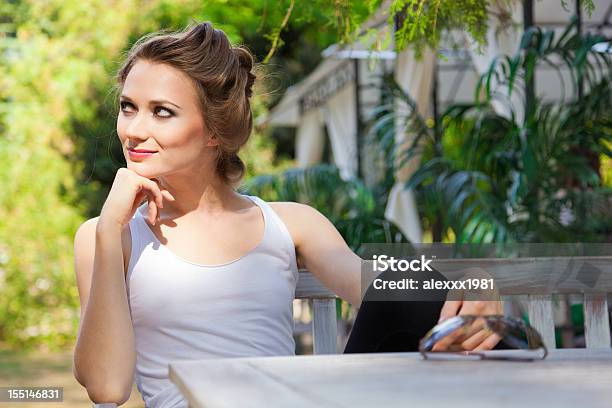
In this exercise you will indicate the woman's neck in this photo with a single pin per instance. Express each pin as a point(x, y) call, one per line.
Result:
point(210, 196)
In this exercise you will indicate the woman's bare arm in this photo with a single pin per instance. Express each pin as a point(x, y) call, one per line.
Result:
point(325, 253)
point(104, 356)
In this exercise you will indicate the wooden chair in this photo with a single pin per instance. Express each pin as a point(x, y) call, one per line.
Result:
point(589, 276)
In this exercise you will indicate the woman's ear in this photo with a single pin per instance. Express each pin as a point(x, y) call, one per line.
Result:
point(212, 141)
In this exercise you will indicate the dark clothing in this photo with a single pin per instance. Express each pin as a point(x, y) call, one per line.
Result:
point(397, 325)
point(391, 326)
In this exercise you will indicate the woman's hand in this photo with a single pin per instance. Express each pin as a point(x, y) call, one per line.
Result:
point(126, 195)
point(477, 337)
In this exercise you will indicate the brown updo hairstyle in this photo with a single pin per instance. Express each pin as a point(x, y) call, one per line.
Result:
point(223, 81)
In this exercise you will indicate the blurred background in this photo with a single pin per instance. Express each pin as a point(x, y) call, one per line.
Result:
point(404, 121)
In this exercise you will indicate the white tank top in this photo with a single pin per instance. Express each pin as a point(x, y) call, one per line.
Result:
point(181, 310)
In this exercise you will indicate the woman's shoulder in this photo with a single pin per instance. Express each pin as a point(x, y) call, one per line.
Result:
point(292, 208)
point(299, 218)
point(290, 214)
point(288, 207)
point(289, 210)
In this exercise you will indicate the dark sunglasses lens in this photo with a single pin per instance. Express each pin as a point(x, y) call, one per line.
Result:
point(515, 334)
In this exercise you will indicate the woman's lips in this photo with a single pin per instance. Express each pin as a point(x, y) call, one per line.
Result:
point(139, 154)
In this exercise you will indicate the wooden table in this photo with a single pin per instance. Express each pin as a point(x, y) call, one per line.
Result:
point(567, 378)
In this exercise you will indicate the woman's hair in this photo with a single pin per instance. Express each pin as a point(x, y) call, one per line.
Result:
point(223, 81)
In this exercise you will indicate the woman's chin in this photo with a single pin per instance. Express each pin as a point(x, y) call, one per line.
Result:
point(141, 170)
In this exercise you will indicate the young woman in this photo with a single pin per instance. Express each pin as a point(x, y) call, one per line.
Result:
point(199, 270)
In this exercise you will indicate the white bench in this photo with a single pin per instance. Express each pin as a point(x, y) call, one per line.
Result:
point(589, 276)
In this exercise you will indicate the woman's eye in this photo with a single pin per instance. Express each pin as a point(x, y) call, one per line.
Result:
point(168, 112)
point(123, 104)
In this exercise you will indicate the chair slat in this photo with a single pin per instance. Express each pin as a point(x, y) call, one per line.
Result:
point(309, 287)
point(324, 326)
point(596, 321)
point(541, 318)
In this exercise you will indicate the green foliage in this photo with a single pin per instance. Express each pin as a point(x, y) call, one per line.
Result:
point(343, 16)
point(497, 177)
point(47, 70)
point(422, 22)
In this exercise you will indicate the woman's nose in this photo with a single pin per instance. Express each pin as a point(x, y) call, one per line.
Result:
point(137, 127)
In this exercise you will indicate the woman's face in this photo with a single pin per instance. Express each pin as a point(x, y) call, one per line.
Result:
point(159, 111)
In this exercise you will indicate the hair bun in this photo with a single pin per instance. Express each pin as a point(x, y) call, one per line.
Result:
point(245, 59)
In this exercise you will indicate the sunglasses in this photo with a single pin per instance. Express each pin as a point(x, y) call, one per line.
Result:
point(519, 340)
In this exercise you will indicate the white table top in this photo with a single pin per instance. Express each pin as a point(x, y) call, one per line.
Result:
point(567, 378)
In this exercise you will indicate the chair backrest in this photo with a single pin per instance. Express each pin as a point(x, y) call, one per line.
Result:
point(538, 278)
point(324, 325)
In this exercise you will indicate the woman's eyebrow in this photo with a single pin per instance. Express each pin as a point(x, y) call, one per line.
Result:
point(152, 102)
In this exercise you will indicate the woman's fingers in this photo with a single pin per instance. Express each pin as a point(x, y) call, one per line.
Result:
point(489, 342)
point(457, 337)
point(475, 339)
point(449, 309)
point(444, 343)
point(154, 189)
point(155, 195)
point(472, 329)
point(168, 196)
point(152, 212)
point(163, 193)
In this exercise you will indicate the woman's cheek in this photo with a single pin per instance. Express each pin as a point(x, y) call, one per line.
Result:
point(120, 129)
